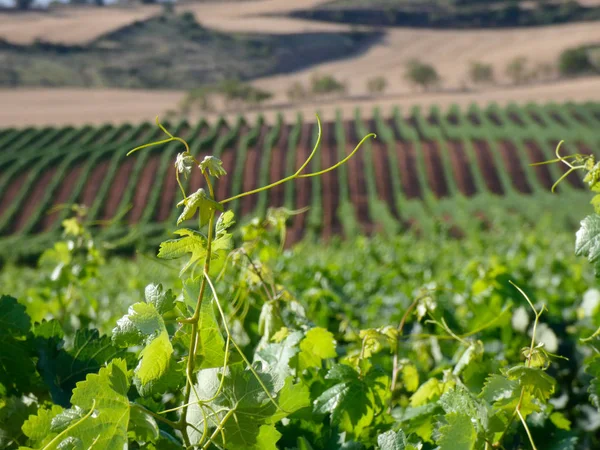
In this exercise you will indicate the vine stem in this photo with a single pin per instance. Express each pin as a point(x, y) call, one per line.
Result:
point(194, 322)
point(517, 411)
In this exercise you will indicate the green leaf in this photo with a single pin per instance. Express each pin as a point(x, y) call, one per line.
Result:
point(593, 369)
point(38, 427)
point(155, 358)
point(106, 427)
point(460, 401)
point(560, 421)
point(142, 426)
point(198, 201)
point(246, 404)
point(471, 355)
point(318, 344)
point(61, 368)
point(430, 390)
point(267, 438)
point(224, 222)
point(498, 387)
point(458, 434)
point(171, 380)
point(162, 301)
point(17, 371)
point(144, 325)
point(587, 240)
point(193, 243)
point(535, 380)
point(13, 412)
point(350, 402)
point(213, 165)
point(410, 377)
point(277, 357)
point(14, 320)
point(392, 440)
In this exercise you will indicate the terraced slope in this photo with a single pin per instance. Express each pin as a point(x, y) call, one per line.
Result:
point(428, 169)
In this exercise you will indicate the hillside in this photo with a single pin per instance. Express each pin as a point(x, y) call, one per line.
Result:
point(170, 51)
point(454, 14)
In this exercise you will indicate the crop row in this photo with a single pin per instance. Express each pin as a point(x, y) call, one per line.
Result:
point(454, 169)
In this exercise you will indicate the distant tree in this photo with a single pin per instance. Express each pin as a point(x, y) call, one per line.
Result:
point(201, 98)
point(574, 61)
point(326, 84)
point(422, 74)
point(517, 70)
point(481, 73)
point(234, 91)
point(296, 92)
point(376, 85)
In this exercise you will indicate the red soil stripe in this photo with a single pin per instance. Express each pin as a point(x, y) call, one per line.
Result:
point(303, 186)
point(358, 185)
point(383, 176)
point(14, 186)
point(542, 172)
point(117, 188)
point(486, 164)
point(94, 182)
point(329, 182)
point(252, 172)
point(434, 168)
point(460, 165)
point(64, 191)
point(167, 195)
point(32, 199)
point(408, 169)
point(511, 161)
point(277, 168)
point(143, 188)
point(223, 189)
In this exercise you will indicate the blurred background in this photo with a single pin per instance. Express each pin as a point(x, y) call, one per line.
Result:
point(102, 61)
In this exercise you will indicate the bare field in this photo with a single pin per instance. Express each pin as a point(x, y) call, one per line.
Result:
point(80, 106)
point(450, 51)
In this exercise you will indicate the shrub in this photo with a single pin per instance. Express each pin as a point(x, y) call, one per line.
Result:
point(201, 98)
point(516, 70)
point(574, 61)
point(376, 85)
point(326, 84)
point(236, 91)
point(296, 92)
point(422, 74)
point(481, 73)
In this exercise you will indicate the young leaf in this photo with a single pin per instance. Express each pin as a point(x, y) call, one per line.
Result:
point(144, 325)
point(198, 201)
point(587, 241)
point(391, 440)
point(162, 301)
point(184, 163)
point(535, 380)
point(213, 165)
point(458, 434)
point(318, 344)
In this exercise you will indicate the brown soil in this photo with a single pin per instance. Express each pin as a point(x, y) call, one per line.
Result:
point(542, 172)
point(408, 169)
point(358, 185)
point(460, 165)
point(144, 186)
point(14, 186)
point(117, 188)
point(167, 195)
point(330, 183)
point(383, 176)
point(277, 167)
point(64, 191)
point(303, 186)
point(486, 164)
point(252, 172)
point(94, 182)
point(32, 198)
point(512, 161)
point(434, 168)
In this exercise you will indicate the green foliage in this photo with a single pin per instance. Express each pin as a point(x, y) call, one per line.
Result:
point(517, 70)
point(481, 73)
point(422, 74)
point(377, 85)
point(326, 84)
point(575, 61)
